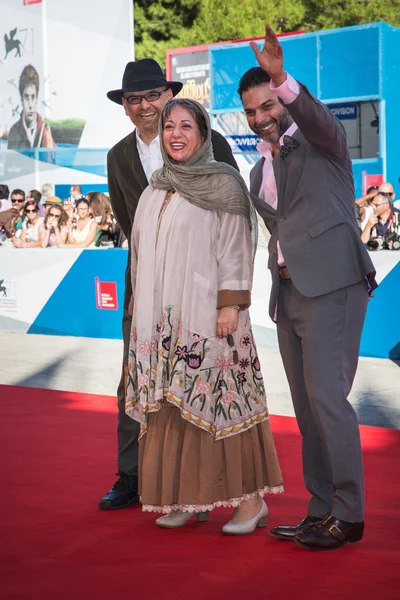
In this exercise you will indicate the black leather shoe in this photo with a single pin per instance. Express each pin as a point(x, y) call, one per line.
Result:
point(123, 493)
point(330, 534)
point(289, 532)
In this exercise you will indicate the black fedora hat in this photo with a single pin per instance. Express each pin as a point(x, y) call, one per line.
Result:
point(145, 74)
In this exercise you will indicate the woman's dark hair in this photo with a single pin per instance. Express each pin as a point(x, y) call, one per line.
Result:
point(371, 187)
point(36, 195)
point(84, 201)
point(63, 216)
point(4, 191)
point(31, 203)
point(191, 107)
point(252, 78)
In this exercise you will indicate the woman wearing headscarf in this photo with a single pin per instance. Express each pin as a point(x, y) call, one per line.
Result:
point(194, 379)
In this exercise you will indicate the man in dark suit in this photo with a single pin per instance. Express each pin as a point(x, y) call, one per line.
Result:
point(322, 276)
point(131, 162)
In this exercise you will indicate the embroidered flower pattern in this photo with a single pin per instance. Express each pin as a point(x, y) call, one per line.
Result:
point(223, 362)
point(244, 363)
point(228, 398)
point(203, 387)
point(193, 360)
point(145, 347)
point(241, 377)
point(197, 374)
point(143, 380)
point(166, 342)
point(246, 341)
point(181, 352)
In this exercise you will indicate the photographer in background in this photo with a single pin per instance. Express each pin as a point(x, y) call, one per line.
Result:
point(101, 211)
point(364, 206)
point(383, 228)
point(54, 231)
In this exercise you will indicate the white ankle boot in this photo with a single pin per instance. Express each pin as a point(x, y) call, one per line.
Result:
point(243, 527)
point(175, 520)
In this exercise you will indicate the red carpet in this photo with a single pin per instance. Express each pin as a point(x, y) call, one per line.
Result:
point(58, 453)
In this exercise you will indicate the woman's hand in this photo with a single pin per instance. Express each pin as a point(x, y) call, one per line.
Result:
point(227, 321)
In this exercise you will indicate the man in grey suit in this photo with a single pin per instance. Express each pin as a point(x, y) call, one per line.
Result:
point(322, 276)
point(131, 163)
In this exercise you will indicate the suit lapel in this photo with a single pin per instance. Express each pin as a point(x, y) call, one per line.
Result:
point(133, 158)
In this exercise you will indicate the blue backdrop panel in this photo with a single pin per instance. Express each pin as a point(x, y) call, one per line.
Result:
point(381, 335)
point(72, 309)
point(229, 63)
point(349, 62)
point(390, 81)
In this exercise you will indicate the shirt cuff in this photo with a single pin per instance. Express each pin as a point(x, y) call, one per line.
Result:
point(288, 90)
point(241, 298)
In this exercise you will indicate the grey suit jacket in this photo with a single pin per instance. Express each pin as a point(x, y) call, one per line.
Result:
point(127, 180)
point(315, 219)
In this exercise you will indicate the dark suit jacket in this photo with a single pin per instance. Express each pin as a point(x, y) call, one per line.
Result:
point(127, 181)
point(315, 219)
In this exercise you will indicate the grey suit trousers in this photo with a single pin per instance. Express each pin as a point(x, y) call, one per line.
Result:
point(319, 341)
point(127, 429)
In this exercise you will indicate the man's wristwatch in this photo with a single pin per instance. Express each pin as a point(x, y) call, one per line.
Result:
point(235, 306)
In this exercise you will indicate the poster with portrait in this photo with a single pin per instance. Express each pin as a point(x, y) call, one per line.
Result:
point(57, 63)
point(23, 98)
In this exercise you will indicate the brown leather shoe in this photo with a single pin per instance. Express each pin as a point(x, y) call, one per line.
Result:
point(289, 532)
point(330, 534)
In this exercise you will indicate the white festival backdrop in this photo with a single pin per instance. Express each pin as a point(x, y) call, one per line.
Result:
point(79, 51)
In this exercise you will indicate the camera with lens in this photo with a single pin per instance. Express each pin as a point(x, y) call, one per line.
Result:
point(395, 239)
point(376, 243)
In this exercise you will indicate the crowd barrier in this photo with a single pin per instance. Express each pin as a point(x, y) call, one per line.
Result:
point(80, 293)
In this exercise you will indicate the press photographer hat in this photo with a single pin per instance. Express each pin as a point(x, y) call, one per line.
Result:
point(145, 74)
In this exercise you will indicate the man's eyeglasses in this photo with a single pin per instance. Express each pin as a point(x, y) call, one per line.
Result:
point(150, 97)
point(14, 200)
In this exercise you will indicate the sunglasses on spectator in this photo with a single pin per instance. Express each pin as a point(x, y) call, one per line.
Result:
point(13, 200)
point(54, 215)
point(34, 210)
point(150, 97)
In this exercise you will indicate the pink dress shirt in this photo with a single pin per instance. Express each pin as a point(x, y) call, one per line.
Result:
point(288, 91)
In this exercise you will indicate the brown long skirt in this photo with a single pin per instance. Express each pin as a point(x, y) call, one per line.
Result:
point(182, 467)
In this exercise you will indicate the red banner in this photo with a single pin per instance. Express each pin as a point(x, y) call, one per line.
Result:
point(28, 2)
point(106, 295)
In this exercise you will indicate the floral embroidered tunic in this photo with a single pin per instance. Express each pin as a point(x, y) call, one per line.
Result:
point(184, 259)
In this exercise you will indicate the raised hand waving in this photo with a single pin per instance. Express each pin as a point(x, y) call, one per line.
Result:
point(270, 58)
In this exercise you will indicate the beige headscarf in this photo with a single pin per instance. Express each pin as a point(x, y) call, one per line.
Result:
point(204, 182)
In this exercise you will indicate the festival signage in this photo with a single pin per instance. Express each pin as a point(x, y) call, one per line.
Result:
point(344, 111)
point(106, 295)
point(193, 70)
